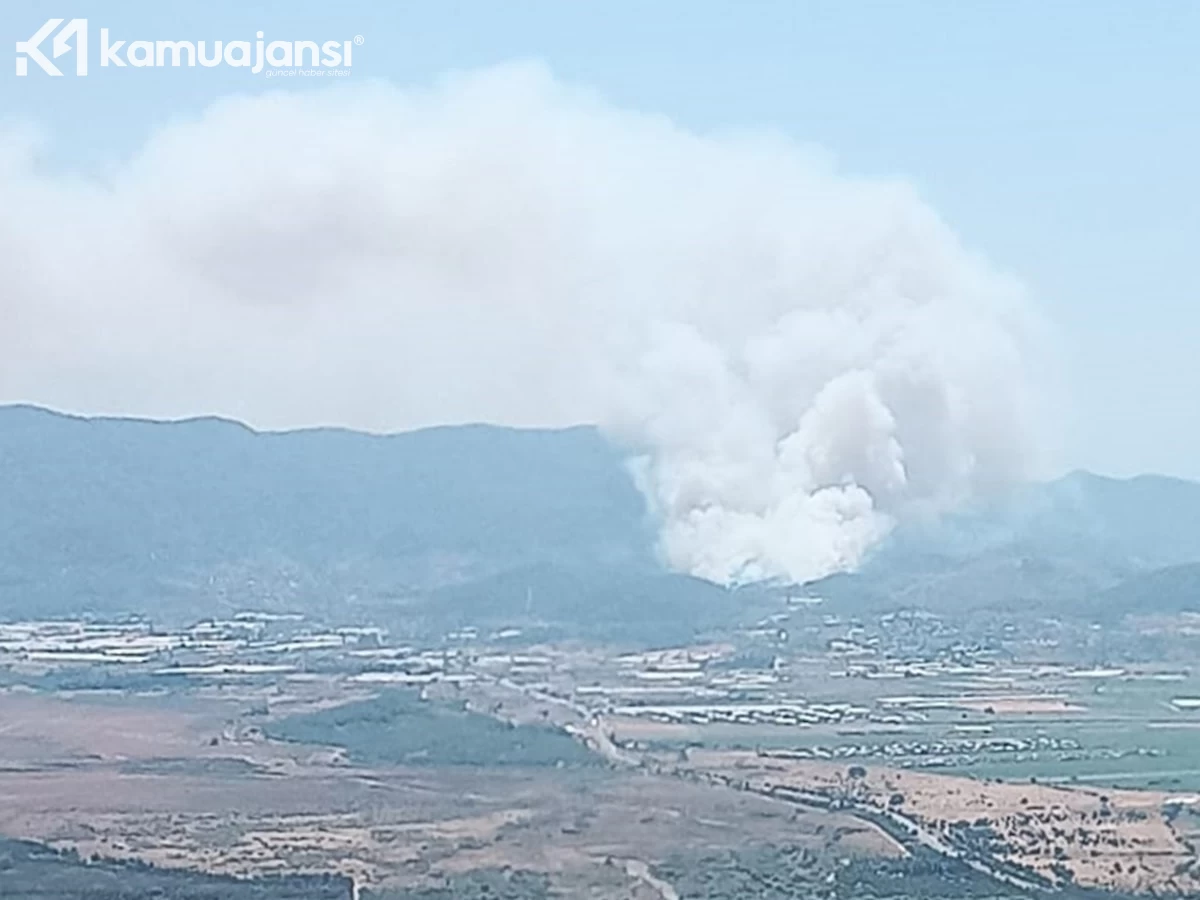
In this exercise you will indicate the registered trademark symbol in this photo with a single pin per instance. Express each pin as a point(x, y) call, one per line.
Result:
point(359, 39)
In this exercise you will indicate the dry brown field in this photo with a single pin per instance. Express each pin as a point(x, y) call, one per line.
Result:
point(136, 780)
point(1117, 839)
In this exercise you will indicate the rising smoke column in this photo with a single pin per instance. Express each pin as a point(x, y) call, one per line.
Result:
point(864, 368)
point(797, 359)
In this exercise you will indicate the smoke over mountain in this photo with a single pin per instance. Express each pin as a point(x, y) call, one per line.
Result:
point(796, 358)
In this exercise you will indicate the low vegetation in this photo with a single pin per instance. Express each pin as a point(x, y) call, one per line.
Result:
point(399, 727)
point(29, 871)
point(482, 884)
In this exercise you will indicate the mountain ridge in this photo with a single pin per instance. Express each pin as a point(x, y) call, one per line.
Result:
point(206, 512)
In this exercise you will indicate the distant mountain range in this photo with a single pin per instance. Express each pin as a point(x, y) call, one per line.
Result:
point(1082, 545)
point(204, 516)
point(209, 515)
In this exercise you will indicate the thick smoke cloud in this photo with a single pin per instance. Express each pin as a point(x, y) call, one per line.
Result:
point(795, 357)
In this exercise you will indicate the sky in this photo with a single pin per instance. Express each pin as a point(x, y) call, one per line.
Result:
point(1058, 140)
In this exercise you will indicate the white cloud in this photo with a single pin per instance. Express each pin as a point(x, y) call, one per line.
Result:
point(797, 356)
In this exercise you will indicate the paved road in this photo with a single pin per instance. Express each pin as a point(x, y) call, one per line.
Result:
point(590, 727)
point(908, 826)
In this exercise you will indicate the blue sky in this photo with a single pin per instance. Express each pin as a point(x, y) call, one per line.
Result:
point(1059, 139)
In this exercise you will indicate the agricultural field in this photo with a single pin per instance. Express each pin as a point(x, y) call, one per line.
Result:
point(98, 780)
point(976, 713)
point(1117, 840)
point(836, 764)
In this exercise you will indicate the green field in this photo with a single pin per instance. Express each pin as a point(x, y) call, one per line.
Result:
point(399, 727)
point(1127, 734)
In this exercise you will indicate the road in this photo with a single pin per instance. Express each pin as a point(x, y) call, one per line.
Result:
point(590, 728)
point(905, 829)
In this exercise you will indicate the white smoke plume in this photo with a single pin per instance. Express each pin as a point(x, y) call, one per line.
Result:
point(798, 358)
